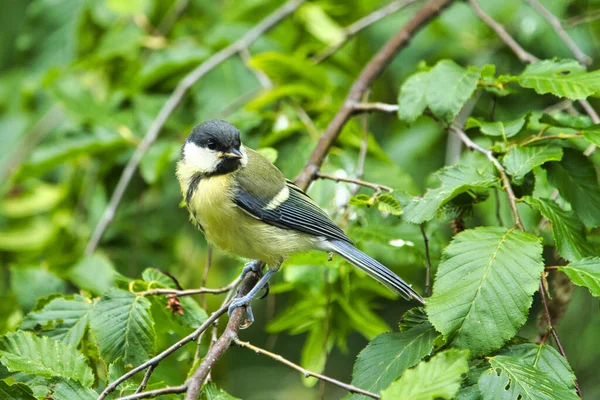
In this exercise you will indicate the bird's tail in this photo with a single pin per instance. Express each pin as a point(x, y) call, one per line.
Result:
point(374, 269)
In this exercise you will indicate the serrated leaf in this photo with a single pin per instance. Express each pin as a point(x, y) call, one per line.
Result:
point(30, 354)
point(520, 160)
point(513, 377)
point(455, 179)
point(123, 327)
point(567, 229)
point(390, 354)
point(438, 378)
point(585, 273)
point(210, 391)
point(361, 200)
point(65, 389)
point(95, 273)
point(576, 179)
point(411, 99)
point(562, 78)
point(387, 203)
point(16, 391)
point(484, 286)
point(449, 89)
point(505, 129)
point(566, 120)
point(67, 318)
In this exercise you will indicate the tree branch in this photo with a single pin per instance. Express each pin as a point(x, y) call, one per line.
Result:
point(352, 30)
point(371, 71)
point(428, 261)
point(374, 186)
point(171, 104)
point(560, 31)
point(350, 388)
point(188, 292)
point(155, 393)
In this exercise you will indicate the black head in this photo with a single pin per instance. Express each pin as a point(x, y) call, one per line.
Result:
point(214, 148)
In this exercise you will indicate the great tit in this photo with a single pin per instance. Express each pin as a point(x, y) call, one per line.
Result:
point(245, 206)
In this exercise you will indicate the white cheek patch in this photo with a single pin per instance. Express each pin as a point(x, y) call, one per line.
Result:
point(205, 160)
point(244, 160)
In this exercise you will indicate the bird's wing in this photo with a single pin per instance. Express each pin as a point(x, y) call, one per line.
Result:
point(288, 207)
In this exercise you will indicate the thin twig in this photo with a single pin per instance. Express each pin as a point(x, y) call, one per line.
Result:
point(147, 375)
point(375, 186)
point(305, 372)
point(583, 18)
point(171, 104)
point(371, 71)
point(188, 292)
point(428, 260)
point(560, 31)
point(561, 350)
point(505, 180)
point(352, 30)
point(155, 393)
point(523, 55)
point(370, 107)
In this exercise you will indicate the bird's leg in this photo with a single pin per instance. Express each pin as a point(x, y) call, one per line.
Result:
point(255, 266)
point(245, 301)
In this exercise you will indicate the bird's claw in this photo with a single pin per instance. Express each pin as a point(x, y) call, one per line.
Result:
point(257, 267)
point(242, 302)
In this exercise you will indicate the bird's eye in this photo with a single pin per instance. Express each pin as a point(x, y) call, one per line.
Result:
point(211, 145)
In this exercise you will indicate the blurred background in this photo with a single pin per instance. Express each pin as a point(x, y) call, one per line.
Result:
point(81, 82)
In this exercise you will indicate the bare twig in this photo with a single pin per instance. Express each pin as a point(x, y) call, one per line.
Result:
point(155, 393)
point(305, 372)
point(374, 186)
point(371, 71)
point(194, 383)
point(171, 104)
point(560, 31)
point(188, 292)
point(583, 18)
point(147, 375)
point(428, 260)
point(505, 180)
point(523, 55)
point(351, 30)
point(370, 107)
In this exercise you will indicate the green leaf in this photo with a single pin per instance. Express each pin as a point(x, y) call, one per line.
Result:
point(576, 180)
point(455, 179)
point(315, 351)
point(438, 378)
point(505, 129)
point(566, 120)
point(567, 229)
point(319, 24)
point(38, 199)
point(30, 354)
point(65, 389)
point(269, 153)
point(159, 156)
point(361, 200)
point(390, 354)
point(562, 78)
point(31, 283)
point(210, 391)
point(585, 273)
point(123, 327)
point(16, 391)
point(389, 204)
point(449, 89)
point(95, 273)
point(484, 286)
point(411, 99)
point(173, 60)
point(512, 377)
point(520, 160)
point(62, 319)
point(592, 135)
point(33, 235)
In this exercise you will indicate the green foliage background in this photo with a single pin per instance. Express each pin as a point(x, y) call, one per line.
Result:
point(81, 81)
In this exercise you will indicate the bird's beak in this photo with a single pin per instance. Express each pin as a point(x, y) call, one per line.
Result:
point(233, 154)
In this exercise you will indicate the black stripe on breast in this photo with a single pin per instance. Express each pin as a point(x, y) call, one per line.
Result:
point(196, 178)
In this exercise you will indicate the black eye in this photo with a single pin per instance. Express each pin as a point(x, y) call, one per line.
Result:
point(211, 145)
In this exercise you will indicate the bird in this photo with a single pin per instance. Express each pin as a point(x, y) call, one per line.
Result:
point(245, 206)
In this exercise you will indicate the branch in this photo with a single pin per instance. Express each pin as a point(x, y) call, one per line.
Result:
point(155, 393)
point(370, 107)
point(195, 382)
point(350, 388)
point(564, 36)
point(506, 182)
point(428, 260)
point(171, 104)
point(352, 30)
point(188, 292)
point(356, 181)
point(371, 71)
point(523, 55)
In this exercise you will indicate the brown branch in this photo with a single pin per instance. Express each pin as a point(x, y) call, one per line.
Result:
point(350, 388)
point(155, 393)
point(171, 104)
point(560, 31)
point(428, 260)
point(512, 200)
point(352, 30)
point(371, 71)
point(195, 382)
point(374, 186)
point(523, 55)
point(370, 107)
point(188, 292)
point(146, 378)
